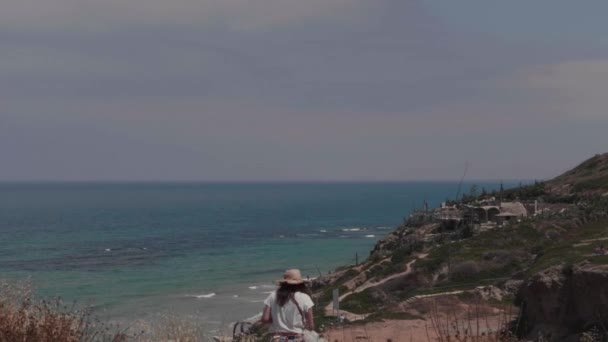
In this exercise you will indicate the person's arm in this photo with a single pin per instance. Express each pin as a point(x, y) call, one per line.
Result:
point(266, 315)
point(310, 320)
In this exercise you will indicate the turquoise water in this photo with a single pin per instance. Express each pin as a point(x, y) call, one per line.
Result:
point(211, 250)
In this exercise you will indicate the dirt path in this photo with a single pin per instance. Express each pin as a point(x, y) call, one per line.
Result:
point(329, 311)
point(411, 299)
point(588, 242)
point(367, 285)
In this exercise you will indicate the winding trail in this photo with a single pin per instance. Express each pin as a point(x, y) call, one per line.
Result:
point(329, 311)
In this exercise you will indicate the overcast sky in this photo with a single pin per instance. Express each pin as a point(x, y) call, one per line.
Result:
point(277, 90)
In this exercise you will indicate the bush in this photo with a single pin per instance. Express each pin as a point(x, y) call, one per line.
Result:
point(466, 232)
point(464, 270)
point(401, 254)
point(500, 256)
point(351, 273)
point(591, 184)
point(448, 226)
point(22, 318)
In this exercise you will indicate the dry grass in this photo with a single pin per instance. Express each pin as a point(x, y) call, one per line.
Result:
point(174, 328)
point(23, 318)
point(476, 325)
point(443, 319)
point(26, 319)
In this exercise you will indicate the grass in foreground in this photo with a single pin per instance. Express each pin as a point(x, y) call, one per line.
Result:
point(23, 318)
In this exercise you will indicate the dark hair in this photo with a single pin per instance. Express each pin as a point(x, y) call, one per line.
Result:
point(285, 291)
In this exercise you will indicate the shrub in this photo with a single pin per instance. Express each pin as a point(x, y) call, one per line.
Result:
point(400, 255)
point(466, 232)
point(25, 318)
point(591, 184)
point(464, 270)
point(500, 257)
point(351, 273)
point(363, 302)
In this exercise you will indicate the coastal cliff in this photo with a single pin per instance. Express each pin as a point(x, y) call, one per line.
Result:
point(491, 252)
point(563, 300)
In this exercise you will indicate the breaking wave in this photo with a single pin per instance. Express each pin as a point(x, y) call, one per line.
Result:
point(208, 295)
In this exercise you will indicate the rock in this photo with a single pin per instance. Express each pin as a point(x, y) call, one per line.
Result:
point(511, 286)
point(489, 292)
point(385, 245)
point(562, 301)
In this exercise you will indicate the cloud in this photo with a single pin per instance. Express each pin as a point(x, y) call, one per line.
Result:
point(566, 90)
point(282, 89)
point(390, 67)
point(580, 84)
point(394, 58)
point(110, 14)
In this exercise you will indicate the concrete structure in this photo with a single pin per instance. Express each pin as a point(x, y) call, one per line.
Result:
point(515, 208)
point(503, 218)
point(483, 214)
point(447, 213)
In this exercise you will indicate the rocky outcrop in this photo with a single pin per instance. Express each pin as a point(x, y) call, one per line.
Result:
point(564, 301)
point(404, 237)
point(387, 244)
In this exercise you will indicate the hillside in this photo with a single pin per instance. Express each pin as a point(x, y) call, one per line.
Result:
point(482, 253)
point(588, 178)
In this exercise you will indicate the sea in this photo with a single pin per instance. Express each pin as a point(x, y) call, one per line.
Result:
point(212, 251)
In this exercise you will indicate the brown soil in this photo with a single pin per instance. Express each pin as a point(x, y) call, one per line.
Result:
point(440, 317)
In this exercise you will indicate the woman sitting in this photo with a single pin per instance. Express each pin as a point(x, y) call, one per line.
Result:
point(289, 308)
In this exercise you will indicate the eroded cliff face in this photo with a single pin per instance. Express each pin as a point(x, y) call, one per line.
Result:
point(562, 302)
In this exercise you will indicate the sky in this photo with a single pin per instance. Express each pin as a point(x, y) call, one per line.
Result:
point(291, 90)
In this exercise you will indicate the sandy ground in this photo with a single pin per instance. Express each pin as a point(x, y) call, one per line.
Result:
point(404, 331)
point(443, 319)
point(381, 331)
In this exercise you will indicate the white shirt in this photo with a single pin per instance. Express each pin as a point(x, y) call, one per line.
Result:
point(287, 318)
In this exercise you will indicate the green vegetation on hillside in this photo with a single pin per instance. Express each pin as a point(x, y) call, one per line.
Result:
point(588, 178)
point(571, 229)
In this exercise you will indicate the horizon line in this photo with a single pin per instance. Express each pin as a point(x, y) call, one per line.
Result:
point(104, 181)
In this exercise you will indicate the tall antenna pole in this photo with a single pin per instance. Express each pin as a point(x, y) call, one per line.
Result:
point(466, 168)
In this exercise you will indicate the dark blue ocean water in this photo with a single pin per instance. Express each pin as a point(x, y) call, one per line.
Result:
point(134, 250)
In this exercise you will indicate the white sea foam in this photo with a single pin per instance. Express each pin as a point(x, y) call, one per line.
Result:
point(370, 236)
point(108, 250)
point(208, 295)
point(254, 318)
point(355, 229)
point(253, 287)
point(323, 231)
